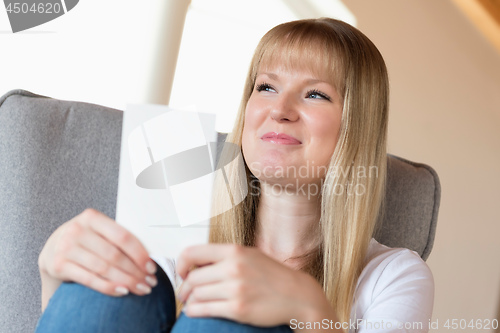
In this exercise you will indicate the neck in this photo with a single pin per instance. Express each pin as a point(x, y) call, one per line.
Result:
point(287, 225)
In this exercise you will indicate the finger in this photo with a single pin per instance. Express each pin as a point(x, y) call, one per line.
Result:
point(121, 237)
point(93, 281)
point(208, 274)
point(99, 267)
point(101, 247)
point(221, 309)
point(205, 254)
point(211, 292)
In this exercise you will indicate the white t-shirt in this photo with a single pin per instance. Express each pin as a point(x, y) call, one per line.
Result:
point(394, 293)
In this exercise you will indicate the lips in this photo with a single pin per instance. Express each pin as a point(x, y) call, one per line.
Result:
point(280, 138)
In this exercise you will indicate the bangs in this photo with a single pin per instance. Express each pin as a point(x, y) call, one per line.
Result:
point(303, 46)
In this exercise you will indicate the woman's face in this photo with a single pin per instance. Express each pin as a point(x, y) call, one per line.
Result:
point(292, 122)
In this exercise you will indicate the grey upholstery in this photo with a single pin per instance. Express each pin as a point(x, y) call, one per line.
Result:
point(56, 159)
point(59, 157)
point(411, 206)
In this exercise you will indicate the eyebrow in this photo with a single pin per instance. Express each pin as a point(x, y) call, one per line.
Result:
point(271, 75)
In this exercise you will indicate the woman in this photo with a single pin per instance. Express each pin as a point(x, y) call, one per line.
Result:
point(297, 253)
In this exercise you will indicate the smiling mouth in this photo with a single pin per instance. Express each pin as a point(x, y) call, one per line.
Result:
point(280, 138)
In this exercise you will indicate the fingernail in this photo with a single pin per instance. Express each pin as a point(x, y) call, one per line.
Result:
point(121, 290)
point(151, 267)
point(151, 280)
point(142, 287)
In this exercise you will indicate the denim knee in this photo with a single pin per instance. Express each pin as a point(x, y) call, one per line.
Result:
point(76, 308)
point(186, 324)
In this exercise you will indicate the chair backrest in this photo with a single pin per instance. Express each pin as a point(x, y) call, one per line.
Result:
point(412, 199)
point(59, 157)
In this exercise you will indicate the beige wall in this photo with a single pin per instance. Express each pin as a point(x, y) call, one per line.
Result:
point(445, 111)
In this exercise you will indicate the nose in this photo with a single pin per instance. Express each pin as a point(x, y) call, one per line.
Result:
point(284, 109)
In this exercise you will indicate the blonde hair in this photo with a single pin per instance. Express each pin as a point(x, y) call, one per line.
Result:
point(357, 70)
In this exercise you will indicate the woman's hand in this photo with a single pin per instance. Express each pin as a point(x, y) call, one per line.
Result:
point(245, 285)
point(95, 251)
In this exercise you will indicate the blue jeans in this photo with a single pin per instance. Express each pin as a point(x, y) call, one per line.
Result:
point(75, 308)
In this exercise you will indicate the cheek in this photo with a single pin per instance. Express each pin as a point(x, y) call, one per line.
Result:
point(326, 136)
point(255, 111)
point(254, 118)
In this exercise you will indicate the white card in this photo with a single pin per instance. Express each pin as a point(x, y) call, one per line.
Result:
point(166, 177)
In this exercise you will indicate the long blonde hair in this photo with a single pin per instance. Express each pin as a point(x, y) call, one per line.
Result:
point(348, 217)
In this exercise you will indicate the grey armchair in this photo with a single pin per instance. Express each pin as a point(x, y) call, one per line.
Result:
point(59, 157)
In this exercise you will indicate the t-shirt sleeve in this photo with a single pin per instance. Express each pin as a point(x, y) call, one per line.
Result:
point(402, 297)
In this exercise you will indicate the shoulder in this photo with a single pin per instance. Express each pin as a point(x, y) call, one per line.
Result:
point(386, 266)
point(395, 285)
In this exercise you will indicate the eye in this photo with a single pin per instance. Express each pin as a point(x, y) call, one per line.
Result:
point(316, 94)
point(265, 87)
